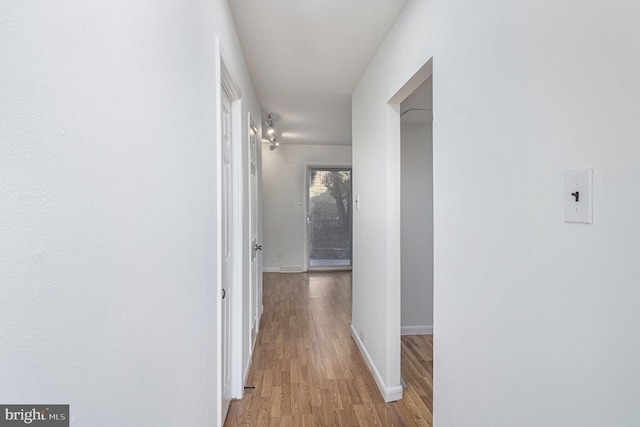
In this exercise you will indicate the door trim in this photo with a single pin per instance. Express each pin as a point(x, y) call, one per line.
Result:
point(254, 306)
point(224, 80)
point(393, 229)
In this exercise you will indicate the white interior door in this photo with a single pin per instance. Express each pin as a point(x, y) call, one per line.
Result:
point(254, 286)
point(227, 258)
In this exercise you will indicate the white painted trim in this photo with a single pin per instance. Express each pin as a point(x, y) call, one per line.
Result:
point(416, 330)
point(270, 269)
point(238, 241)
point(413, 83)
point(265, 141)
point(389, 394)
point(246, 375)
point(393, 278)
point(290, 269)
point(251, 260)
point(224, 81)
point(218, 261)
point(236, 304)
point(393, 247)
point(334, 268)
point(305, 215)
point(247, 367)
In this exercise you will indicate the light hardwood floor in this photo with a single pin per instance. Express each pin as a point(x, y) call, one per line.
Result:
point(307, 370)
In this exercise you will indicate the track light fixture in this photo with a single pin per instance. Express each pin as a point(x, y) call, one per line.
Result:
point(270, 130)
point(274, 143)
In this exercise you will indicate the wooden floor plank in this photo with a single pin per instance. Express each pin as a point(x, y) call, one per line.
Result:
point(307, 370)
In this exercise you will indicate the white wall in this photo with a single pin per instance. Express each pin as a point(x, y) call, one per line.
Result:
point(283, 183)
point(416, 228)
point(536, 320)
point(108, 207)
point(376, 166)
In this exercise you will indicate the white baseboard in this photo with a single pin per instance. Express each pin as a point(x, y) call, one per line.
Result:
point(416, 330)
point(284, 269)
point(389, 394)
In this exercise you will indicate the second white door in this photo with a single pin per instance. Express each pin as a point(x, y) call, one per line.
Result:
point(227, 249)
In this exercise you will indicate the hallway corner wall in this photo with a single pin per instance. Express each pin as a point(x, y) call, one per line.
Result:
point(108, 207)
point(376, 165)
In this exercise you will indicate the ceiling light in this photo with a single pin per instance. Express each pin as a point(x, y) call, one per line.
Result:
point(274, 144)
point(270, 130)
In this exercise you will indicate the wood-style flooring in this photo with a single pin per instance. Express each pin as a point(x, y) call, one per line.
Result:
point(307, 370)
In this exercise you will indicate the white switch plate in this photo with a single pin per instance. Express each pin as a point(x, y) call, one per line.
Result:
point(580, 183)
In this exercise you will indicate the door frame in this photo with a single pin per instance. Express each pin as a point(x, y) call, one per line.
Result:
point(305, 211)
point(224, 80)
point(394, 248)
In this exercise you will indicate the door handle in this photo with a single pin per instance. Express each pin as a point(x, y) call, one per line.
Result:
point(224, 293)
point(257, 247)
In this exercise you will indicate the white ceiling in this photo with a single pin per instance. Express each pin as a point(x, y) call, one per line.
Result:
point(306, 57)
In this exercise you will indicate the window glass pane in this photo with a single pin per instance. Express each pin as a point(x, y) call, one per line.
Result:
point(330, 217)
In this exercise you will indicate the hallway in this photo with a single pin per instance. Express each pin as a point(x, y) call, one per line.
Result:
point(307, 370)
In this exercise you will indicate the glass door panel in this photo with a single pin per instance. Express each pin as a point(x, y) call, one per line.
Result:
point(329, 217)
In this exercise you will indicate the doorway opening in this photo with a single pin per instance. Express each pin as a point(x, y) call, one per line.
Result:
point(416, 240)
point(416, 210)
point(410, 141)
point(329, 218)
